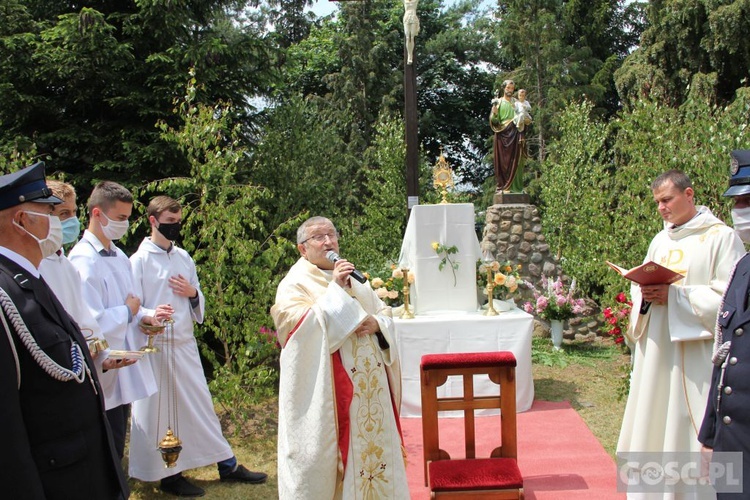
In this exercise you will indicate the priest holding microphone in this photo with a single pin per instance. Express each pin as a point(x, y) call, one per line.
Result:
point(340, 386)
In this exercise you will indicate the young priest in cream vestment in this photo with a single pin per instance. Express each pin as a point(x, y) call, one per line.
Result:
point(673, 336)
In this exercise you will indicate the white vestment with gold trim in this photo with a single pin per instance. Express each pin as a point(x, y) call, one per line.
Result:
point(315, 319)
point(672, 343)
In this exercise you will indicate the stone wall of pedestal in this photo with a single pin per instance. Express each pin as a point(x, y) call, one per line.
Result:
point(513, 232)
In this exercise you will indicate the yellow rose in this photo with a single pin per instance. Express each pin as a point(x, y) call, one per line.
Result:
point(499, 279)
point(377, 282)
point(435, 245)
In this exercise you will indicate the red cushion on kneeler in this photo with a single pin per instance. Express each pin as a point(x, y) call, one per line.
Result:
point(475, 474)
point(468, 359)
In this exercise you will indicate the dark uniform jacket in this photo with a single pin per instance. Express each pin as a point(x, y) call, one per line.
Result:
point(55, 441)
point(726, 424)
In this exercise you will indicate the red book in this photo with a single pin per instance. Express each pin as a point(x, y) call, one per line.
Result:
point(649, 273)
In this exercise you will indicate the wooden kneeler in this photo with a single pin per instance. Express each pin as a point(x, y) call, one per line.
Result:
point(470, 477)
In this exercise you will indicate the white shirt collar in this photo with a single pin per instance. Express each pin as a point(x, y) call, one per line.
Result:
point(94, 241)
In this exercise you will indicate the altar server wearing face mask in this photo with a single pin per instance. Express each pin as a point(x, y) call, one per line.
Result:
point(165, 273)
point(56, 443)
point(62, 277)
point(110, 294)
point(726, 424)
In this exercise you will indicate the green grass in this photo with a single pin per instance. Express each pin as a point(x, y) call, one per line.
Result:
point(590, 375)
point(254, 444)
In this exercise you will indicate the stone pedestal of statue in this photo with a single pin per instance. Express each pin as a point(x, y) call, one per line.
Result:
point(502, 198)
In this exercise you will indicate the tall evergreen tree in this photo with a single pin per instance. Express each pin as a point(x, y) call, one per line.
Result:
point(291, 23)
point(87, 85)
point(685, 39)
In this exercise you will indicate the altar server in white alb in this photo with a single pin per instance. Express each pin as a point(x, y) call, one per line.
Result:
point(166, 274)
point(108, 290)
point(672, 328)
point(62, 277)
point(340, 386)
point(58, 272)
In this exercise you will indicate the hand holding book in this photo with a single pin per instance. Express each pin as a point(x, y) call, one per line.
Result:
point(649, 273)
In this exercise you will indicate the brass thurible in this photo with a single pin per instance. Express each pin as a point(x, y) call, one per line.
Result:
point(170, 447)
point(152, 330)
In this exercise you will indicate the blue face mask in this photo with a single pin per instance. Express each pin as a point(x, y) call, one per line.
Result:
point(71, 228)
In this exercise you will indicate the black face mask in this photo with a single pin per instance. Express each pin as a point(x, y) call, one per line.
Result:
point(170, 231)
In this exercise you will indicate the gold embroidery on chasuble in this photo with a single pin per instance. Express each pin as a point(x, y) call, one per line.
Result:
point(714, 231)
point(370, 439)
point(675, 260)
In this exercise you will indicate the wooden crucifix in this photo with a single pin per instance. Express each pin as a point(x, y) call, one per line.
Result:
point(411, 30)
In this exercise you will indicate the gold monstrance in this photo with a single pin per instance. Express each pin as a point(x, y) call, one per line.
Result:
point(170, 445)
point(442, 176)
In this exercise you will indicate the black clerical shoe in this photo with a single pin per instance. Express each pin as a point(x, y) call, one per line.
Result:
point(242, 475)
point(181, 487)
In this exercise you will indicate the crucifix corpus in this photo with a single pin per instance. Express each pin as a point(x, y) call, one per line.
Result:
point(411, 27)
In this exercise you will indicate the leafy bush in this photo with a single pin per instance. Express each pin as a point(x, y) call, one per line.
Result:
point(596, 198)
point(239, 260)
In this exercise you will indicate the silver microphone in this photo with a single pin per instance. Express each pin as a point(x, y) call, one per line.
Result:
point(334, 257)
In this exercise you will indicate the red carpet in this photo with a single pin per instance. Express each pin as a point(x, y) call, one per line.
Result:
point(558, 455)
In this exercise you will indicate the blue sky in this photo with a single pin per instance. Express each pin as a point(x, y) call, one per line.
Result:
point(323, 7)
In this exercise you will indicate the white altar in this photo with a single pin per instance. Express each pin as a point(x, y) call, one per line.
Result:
point(434, 290)
point(455, 332)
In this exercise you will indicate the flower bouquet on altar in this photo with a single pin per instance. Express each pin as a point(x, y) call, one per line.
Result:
point(505, 280)
point(389, 285)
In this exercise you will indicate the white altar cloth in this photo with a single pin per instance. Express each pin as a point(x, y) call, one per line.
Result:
point(435, 290)
point(455, 332)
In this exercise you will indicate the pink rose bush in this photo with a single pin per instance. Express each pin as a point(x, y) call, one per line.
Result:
point(616, 318)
